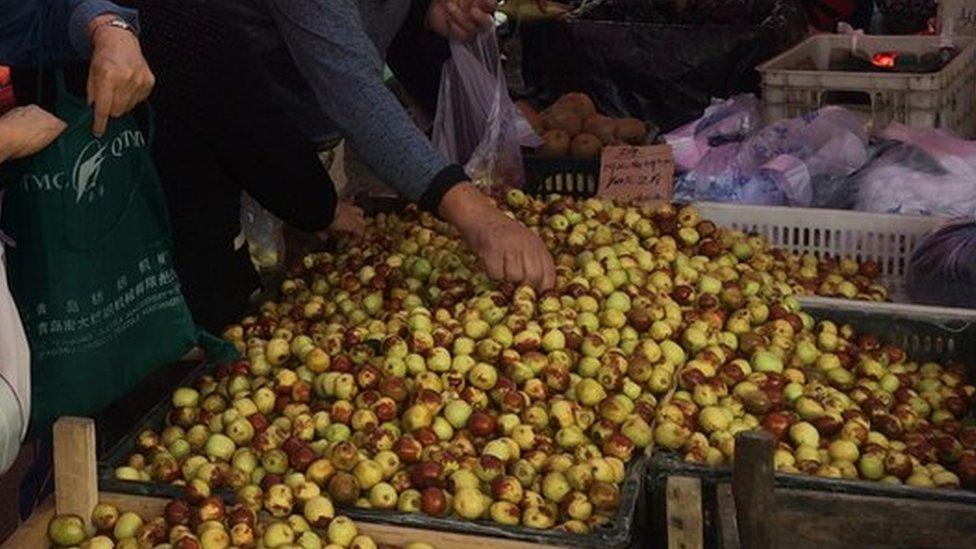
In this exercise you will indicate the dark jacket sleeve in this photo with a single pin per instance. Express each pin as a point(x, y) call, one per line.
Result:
point(416, 56)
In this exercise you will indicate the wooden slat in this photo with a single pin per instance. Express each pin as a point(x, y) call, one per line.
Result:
point(728, 529)
point(33, 531)
point(684, 513)
point(381, 533)
point(809, 519)
point(145, 506)
point(399, 535)
point(75, 467)
point(752, 488)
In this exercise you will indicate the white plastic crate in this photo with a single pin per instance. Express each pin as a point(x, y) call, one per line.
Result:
point(944, 99)
point(887, 239)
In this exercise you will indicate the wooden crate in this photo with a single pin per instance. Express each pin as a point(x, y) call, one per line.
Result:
point(749, 512)
point(76, 492)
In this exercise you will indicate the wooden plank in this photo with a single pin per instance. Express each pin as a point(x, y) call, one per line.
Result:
point(752, 488)
point(810, 519)
point(145, 506)
point(75, 467)
point(684, 513)
point(149, 507)
point(400, 536)
point(728, 528)
point(33, 531)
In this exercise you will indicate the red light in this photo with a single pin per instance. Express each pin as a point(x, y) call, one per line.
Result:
point(885, 60)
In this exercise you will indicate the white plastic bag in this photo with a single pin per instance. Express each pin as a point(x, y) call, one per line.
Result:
point(477, 124)
point(920, 172)
point(724, 121)
point(15, 383)
point(782, 164)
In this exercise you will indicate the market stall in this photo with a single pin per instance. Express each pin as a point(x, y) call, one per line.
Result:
point(761, 333)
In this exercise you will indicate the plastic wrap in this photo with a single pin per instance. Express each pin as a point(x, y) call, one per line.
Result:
point(919, 172)
point(942, 270)
point(264, 234)
point(782, 164)
point(650, 60)
point(477, 124)
point(724, 121)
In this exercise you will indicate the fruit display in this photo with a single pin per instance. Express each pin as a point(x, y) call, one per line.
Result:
point(572, 127)
point(394, 375)
point(207, 523)
point(840, 404)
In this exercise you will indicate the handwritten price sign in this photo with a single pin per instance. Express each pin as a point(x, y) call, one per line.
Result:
point(637, 173)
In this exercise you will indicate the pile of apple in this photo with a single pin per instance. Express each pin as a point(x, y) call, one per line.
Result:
point(205, 523)
point(393, 374)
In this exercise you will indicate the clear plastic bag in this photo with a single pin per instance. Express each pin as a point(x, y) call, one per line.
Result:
point(264, 234)
point(942, 270)
point(782, 164)
point(477, 124)
point(919, 172)
point(724, 121)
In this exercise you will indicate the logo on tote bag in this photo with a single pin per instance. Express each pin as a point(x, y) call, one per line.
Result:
point(87, 167)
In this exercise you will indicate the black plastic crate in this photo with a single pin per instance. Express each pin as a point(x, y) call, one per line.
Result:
point(936, 336)
point(568, 176)
point(618, 533)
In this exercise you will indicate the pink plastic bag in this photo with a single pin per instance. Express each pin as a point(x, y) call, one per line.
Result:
point(477, 124)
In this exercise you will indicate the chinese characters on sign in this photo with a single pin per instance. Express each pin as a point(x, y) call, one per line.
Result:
point(637, 173)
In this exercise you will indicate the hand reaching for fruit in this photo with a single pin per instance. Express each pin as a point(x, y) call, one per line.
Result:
point(460, 20)
point(349, 219)
point(508, 249)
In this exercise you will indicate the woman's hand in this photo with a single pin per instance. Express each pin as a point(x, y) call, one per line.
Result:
point(509, 250)
point(119, 77)
point(460, 20)
point(26, 130)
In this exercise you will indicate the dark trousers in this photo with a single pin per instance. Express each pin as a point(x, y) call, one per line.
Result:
point(221, 131)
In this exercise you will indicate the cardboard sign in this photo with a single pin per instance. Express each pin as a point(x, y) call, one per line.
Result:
point(637, 173)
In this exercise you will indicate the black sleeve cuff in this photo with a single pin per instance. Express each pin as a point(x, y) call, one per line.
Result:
point(442, 182)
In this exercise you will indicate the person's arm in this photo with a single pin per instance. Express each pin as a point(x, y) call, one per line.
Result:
point(88, 15)
point(26, 130)
point(343, 68)
point(35, 32)
point(327, 41)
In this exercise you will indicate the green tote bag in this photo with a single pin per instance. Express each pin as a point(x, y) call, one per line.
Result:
point(92, 270)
